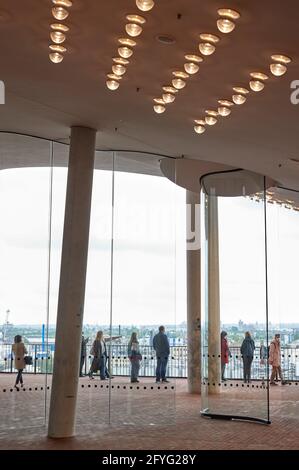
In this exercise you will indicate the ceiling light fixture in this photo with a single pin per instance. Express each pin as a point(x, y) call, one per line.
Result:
point(159, 109)
point(127, 42)
point(278, 69)
point(259, 76)
point(133, 29)
point(178, 83)
point(207, 37)
point(159, 101)
point(145, 5)
point(125, 52)
point(191, 68)
point(256, 85)
point(199, 129)
point(283, 59)
point(119, 69)
point(60, 27)
point(193, 58)
point(210, 120)
point(120, 60)
point(57, 48)
point(170, 89)
point(225, 23)
point(241, 90)
point(202, 122)
point(180, 74)
point(168, 97)
point(56, 57)
point(136, 19)
point(206, 48)
point(58, 37)
point(239, 99)
point(225, 103)
point(112, 85)
point(63, 3)
point(228, 13)
point(113, 76)
point(224, 111)
point(211, 113)
point(60, 13)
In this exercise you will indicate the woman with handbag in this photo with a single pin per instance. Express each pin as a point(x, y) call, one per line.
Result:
point(19, 351)
point(99, 353)
point(134, 357)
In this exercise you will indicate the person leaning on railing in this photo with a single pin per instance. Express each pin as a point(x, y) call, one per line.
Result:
point(275, 360)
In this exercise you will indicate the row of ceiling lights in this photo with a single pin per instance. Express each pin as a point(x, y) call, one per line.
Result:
point(58, 30)
point(125, 51)
point(273, 198)
point(207, 46)
point(257, 81)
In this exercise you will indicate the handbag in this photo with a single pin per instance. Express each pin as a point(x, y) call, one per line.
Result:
point(28, 360)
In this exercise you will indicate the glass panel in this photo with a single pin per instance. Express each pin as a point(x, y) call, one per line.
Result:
point(234, 296)
point(144, 293)
point(94, 392)
point(25, 188)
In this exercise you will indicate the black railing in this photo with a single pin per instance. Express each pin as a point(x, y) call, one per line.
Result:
point(119, 364)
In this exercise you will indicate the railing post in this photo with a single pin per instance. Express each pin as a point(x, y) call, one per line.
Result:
point(35, 351)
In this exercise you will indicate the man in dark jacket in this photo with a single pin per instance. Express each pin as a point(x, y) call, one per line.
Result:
point(161, 346)
point(247, 351)
point(83, 354)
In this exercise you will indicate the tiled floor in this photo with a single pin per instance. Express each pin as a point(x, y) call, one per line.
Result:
point(149, 417)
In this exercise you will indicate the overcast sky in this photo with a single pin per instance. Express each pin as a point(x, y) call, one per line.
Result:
point(149, 269)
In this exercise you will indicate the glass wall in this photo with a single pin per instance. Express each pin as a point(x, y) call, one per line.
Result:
point(234, 296)
point(135, 284)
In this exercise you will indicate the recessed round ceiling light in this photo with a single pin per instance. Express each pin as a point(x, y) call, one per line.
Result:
point(224, 111)
point(127, 42)
point(281, 58)
point(60, 13)
point(145, 5)
point(178, 83)
point(58, 37)
point(159, 109)
point(136, 19)
point(199, 129)
point(179, 74)
point(259, 76)
point(256, 85)
point(120, 60)
point(168, 97)
point(239, 99)
point(206, 48)
point(228, 13)
point(125, 52)
point(57, 48)
point(225, 103)
point(119, 69)
point(206, 37)
point(210, 120)
point(56, 57)
point(191, 68)
point(159, 101)
point(241, 90)
point(133, 29)
point(63, 3)
point(193, 58)
point(60, 27)
point(225, 25)
point(112, 84)
point(278, 69)
point(202, 122)
point(113, 76)
point(170, 89)
point(211, 113)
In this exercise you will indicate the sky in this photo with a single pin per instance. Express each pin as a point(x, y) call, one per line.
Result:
point(149, 268)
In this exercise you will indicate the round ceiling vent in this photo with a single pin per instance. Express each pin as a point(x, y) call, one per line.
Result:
point(165, 39)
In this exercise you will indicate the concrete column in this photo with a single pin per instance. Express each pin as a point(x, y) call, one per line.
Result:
point(72, 283)
point(214, 344)
point(193, 292)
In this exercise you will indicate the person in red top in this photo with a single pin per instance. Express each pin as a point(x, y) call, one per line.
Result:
point(224, 353)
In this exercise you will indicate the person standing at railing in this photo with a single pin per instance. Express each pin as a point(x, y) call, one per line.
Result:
point(161, 346)
point(247, 352)
point(19, 351)
point(99, 353)
point(83, 354)
point(225, 353)
point(134, 357)
point(275, 360)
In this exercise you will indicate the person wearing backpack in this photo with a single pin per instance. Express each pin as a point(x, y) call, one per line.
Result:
point(19, 351)
point(247, 352)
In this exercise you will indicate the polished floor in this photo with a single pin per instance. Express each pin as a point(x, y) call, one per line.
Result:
point(148, 416)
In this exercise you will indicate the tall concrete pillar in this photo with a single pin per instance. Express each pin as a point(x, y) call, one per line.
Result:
point(72, 283)
point(214, 344)
point(193, 292)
